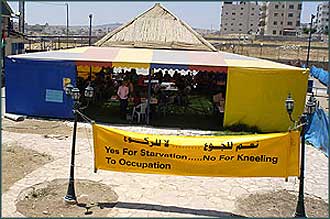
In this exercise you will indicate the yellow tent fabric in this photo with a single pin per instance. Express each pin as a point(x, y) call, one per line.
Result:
point(84, 71)
point(256, 96)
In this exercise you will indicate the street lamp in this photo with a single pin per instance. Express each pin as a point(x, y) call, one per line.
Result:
point(289, 105)
point(67, 25)
point(309, 39)
point(74, 93)
point(311, 105)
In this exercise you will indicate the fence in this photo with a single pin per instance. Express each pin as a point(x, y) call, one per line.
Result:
point(55, 42)
point(276, 51)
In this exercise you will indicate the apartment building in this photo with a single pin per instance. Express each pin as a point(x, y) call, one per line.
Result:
point(239, 17)
point(280, 18)
point(322, 17)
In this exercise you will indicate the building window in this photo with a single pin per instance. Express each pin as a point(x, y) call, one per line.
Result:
point(274, 32)
point(276, 7)
point(252, 14)
point(289, 23)
point(275, 14)
point(242, 8)
point(226, 24)
point(251, 25)
point(232, 29)
point(240, 24)
point(300, 6)
point(232, 24)
point(297, 23)
point(280, 32)
point(225, 29)
point(275, 23)
point(290, 15)
point(240, 29)
point(241, 13)
point(291, 6)
point(281, 22)
point(252, 9)
point(282, 14)
point(226, 13)
point(233, 13)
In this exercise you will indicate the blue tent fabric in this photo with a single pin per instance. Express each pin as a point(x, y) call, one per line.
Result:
point(317, 132)
point(320, 74)
point(35, 88)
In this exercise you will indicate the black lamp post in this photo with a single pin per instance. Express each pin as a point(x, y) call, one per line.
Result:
point(74, 93)
point(311, 105)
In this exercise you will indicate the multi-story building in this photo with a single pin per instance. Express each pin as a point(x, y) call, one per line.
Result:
point(239, 17)
point(322, 17)
point(280, 18)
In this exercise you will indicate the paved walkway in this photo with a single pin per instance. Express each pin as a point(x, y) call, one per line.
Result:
point(170, 196)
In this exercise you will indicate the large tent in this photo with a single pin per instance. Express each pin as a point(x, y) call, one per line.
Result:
point(256, 89)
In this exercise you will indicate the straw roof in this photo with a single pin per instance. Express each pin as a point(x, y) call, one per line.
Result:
point(156, 28)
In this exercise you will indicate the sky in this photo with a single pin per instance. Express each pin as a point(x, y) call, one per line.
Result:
point(204, 15)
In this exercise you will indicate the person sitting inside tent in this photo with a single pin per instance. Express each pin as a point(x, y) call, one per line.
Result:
point(219, 103)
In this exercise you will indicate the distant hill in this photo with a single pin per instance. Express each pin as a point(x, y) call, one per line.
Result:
point(100, 29)
point(111, 26)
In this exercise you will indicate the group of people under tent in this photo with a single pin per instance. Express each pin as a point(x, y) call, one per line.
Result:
point(127, 86)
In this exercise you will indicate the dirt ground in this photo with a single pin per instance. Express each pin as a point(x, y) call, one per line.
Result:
point(17, 162)
point(46, 200)
point(48, 128)
point(280, 204)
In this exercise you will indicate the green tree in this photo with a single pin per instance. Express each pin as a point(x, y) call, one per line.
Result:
point(306, 30)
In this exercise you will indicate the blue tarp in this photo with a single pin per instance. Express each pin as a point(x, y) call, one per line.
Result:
point(35, 88)
point(317, 132)
point(320, 74)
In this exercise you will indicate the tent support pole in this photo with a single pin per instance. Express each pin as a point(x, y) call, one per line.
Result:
point(149, 96)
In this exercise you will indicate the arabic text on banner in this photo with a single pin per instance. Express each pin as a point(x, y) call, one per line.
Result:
point(262, 155)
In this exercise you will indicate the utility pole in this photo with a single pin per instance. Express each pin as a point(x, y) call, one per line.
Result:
point(21, 8)
point(90, 30)
point(67, 25)
point(90, 43)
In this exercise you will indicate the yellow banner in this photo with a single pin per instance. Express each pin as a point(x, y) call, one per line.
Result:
point(262, 155)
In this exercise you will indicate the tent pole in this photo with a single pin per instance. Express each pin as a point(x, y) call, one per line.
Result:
point(149, 96)
point(90, 73)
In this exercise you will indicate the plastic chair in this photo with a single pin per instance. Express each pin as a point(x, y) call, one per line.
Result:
point(140, 111)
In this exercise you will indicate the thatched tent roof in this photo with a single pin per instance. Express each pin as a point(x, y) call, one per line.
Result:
point(156, 28)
